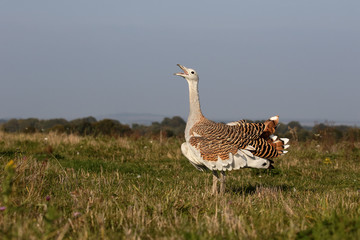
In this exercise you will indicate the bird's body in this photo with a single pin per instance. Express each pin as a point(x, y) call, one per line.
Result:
point(225, 147)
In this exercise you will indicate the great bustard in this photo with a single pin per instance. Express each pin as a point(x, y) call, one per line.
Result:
point(225, 147)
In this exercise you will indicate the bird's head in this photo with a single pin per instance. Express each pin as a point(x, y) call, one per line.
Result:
point(189, 74)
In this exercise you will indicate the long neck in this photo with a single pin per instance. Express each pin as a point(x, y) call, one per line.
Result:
point(195, 112)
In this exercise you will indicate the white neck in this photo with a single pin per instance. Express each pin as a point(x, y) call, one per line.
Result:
point(195, 111)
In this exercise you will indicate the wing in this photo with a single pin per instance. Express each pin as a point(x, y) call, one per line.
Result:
point(217, 140)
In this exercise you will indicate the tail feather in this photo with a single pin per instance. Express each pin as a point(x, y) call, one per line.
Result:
point(273, 137)
point(268, 134)
point(268, 146)
point(270, 126)
point(280, 145)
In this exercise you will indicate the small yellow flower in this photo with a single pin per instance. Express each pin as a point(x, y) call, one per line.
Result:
point(327, 160)
point(10, 165)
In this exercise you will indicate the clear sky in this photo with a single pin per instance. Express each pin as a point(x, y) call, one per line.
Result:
point(255, 58)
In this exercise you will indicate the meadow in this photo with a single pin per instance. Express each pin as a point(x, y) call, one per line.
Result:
point(64, 186)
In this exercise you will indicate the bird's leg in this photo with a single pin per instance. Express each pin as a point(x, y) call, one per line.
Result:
point(222, 182)
point(215, 180)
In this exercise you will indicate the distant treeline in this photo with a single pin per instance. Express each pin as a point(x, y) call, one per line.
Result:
point(168, 127)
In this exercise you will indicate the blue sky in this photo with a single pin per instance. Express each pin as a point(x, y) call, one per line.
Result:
point(70, 59)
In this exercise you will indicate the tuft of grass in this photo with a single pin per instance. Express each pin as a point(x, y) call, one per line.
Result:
point(71, 187)
point(334, 227)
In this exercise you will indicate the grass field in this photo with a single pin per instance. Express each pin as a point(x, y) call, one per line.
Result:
point(70, 187)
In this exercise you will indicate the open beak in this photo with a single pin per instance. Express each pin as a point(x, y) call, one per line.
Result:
point(184, 74)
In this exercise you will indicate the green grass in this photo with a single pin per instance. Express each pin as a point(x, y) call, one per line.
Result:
point(70, 187)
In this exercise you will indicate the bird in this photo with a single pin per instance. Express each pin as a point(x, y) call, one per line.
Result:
point(221, 147)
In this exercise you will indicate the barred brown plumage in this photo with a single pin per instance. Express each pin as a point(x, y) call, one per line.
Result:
point(218, 140)
point(226, 147)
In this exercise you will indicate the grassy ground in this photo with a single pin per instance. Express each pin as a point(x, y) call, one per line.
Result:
point(70, 187)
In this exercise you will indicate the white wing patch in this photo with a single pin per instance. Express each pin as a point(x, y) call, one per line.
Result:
point(248, 153)
point(191, 156)
point(243, 158)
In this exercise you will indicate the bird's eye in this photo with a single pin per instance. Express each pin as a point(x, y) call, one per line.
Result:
point(192, 72)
